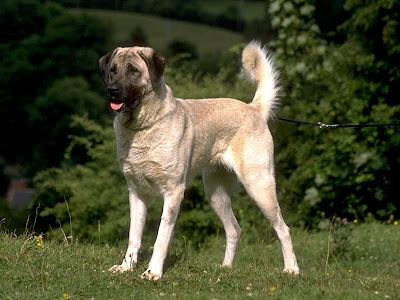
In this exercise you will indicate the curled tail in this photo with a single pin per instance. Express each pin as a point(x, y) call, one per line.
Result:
point(259, 69)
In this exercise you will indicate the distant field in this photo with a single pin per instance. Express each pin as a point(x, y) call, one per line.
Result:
point(368, 268)
point(161, 31)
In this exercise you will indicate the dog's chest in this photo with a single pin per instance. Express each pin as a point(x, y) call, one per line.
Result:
point(141, 166)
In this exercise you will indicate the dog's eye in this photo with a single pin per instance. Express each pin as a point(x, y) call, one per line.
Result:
point(113, 69)
point(131, 69)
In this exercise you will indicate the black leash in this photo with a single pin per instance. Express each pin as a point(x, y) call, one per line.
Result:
point(323, 125)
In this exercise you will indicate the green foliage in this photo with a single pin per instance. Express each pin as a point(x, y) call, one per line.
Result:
point(378, 19)
point(42, 46)
point(88, 200)
point(341, 238)
point(139, 37)
point(187, 81)
point(50, 116)
point(231, 18)
point(14, 27)
point(177, 47)
point(347, 172)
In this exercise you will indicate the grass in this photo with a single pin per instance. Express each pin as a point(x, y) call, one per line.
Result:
point(367, 268)
point(161, 31)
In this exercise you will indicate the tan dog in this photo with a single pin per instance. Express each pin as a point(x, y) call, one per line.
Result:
point(163, 142)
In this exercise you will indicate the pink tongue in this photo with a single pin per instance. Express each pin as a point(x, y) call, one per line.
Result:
point(116, 106)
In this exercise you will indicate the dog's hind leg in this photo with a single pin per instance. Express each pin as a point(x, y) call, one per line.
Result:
point(261, 188)
point(255, 170)
point(263, 193)
point(219, 185)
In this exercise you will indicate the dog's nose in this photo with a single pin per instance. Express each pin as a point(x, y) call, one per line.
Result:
point(112, 89)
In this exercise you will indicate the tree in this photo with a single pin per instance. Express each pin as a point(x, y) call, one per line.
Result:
point(46, 44)
point(50, 117)
point(343, 172)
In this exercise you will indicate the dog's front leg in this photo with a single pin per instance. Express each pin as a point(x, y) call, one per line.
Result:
point(138, 210)
point(172, 202)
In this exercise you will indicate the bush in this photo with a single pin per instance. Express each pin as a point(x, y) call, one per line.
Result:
point(48, 45)
point(176, 48)
point(231, 18)
point(139, 37)
point(86, 200)
point(346, 172)
point(50, 117)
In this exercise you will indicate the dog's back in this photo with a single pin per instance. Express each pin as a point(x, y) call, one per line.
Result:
point(214, 123)
point(217, 120)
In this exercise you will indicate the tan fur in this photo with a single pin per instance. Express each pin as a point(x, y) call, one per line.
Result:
point(259, 69)
point(166, 141)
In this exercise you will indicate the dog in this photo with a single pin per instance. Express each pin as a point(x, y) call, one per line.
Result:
point(163, 142)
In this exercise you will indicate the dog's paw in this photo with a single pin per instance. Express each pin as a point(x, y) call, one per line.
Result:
point(226, 265)
point(150, 275)
point(116, 269)
point(294, 271)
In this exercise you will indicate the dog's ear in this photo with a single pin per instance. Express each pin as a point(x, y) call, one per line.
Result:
point(104, 65)
point(155, 64)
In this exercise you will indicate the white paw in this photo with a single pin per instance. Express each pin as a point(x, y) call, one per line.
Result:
point(225, 265)
point(148, 274)
point(294, 271)
point(115, 269)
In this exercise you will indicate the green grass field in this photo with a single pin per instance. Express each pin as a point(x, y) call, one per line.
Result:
point(368, 267)
point(161, 31)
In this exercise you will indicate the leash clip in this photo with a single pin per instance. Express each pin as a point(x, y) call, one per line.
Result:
point(322, 125)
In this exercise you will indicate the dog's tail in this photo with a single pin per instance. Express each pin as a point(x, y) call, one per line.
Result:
point(260, 69)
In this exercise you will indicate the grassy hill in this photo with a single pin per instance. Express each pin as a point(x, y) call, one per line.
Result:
point(161, 31)
point(367, 266)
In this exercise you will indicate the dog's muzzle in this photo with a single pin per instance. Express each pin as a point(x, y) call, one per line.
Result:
point(116, 104)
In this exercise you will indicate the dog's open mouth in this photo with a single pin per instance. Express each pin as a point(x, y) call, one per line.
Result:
point(124, 106)
point(116, 106)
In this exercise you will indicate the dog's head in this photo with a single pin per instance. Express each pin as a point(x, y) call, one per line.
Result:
point(130, 74)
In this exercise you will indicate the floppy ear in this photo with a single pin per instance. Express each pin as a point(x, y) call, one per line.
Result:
point(155, 64)
point(104, 65)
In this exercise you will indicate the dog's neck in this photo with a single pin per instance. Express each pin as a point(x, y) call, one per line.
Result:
point(151, 109)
